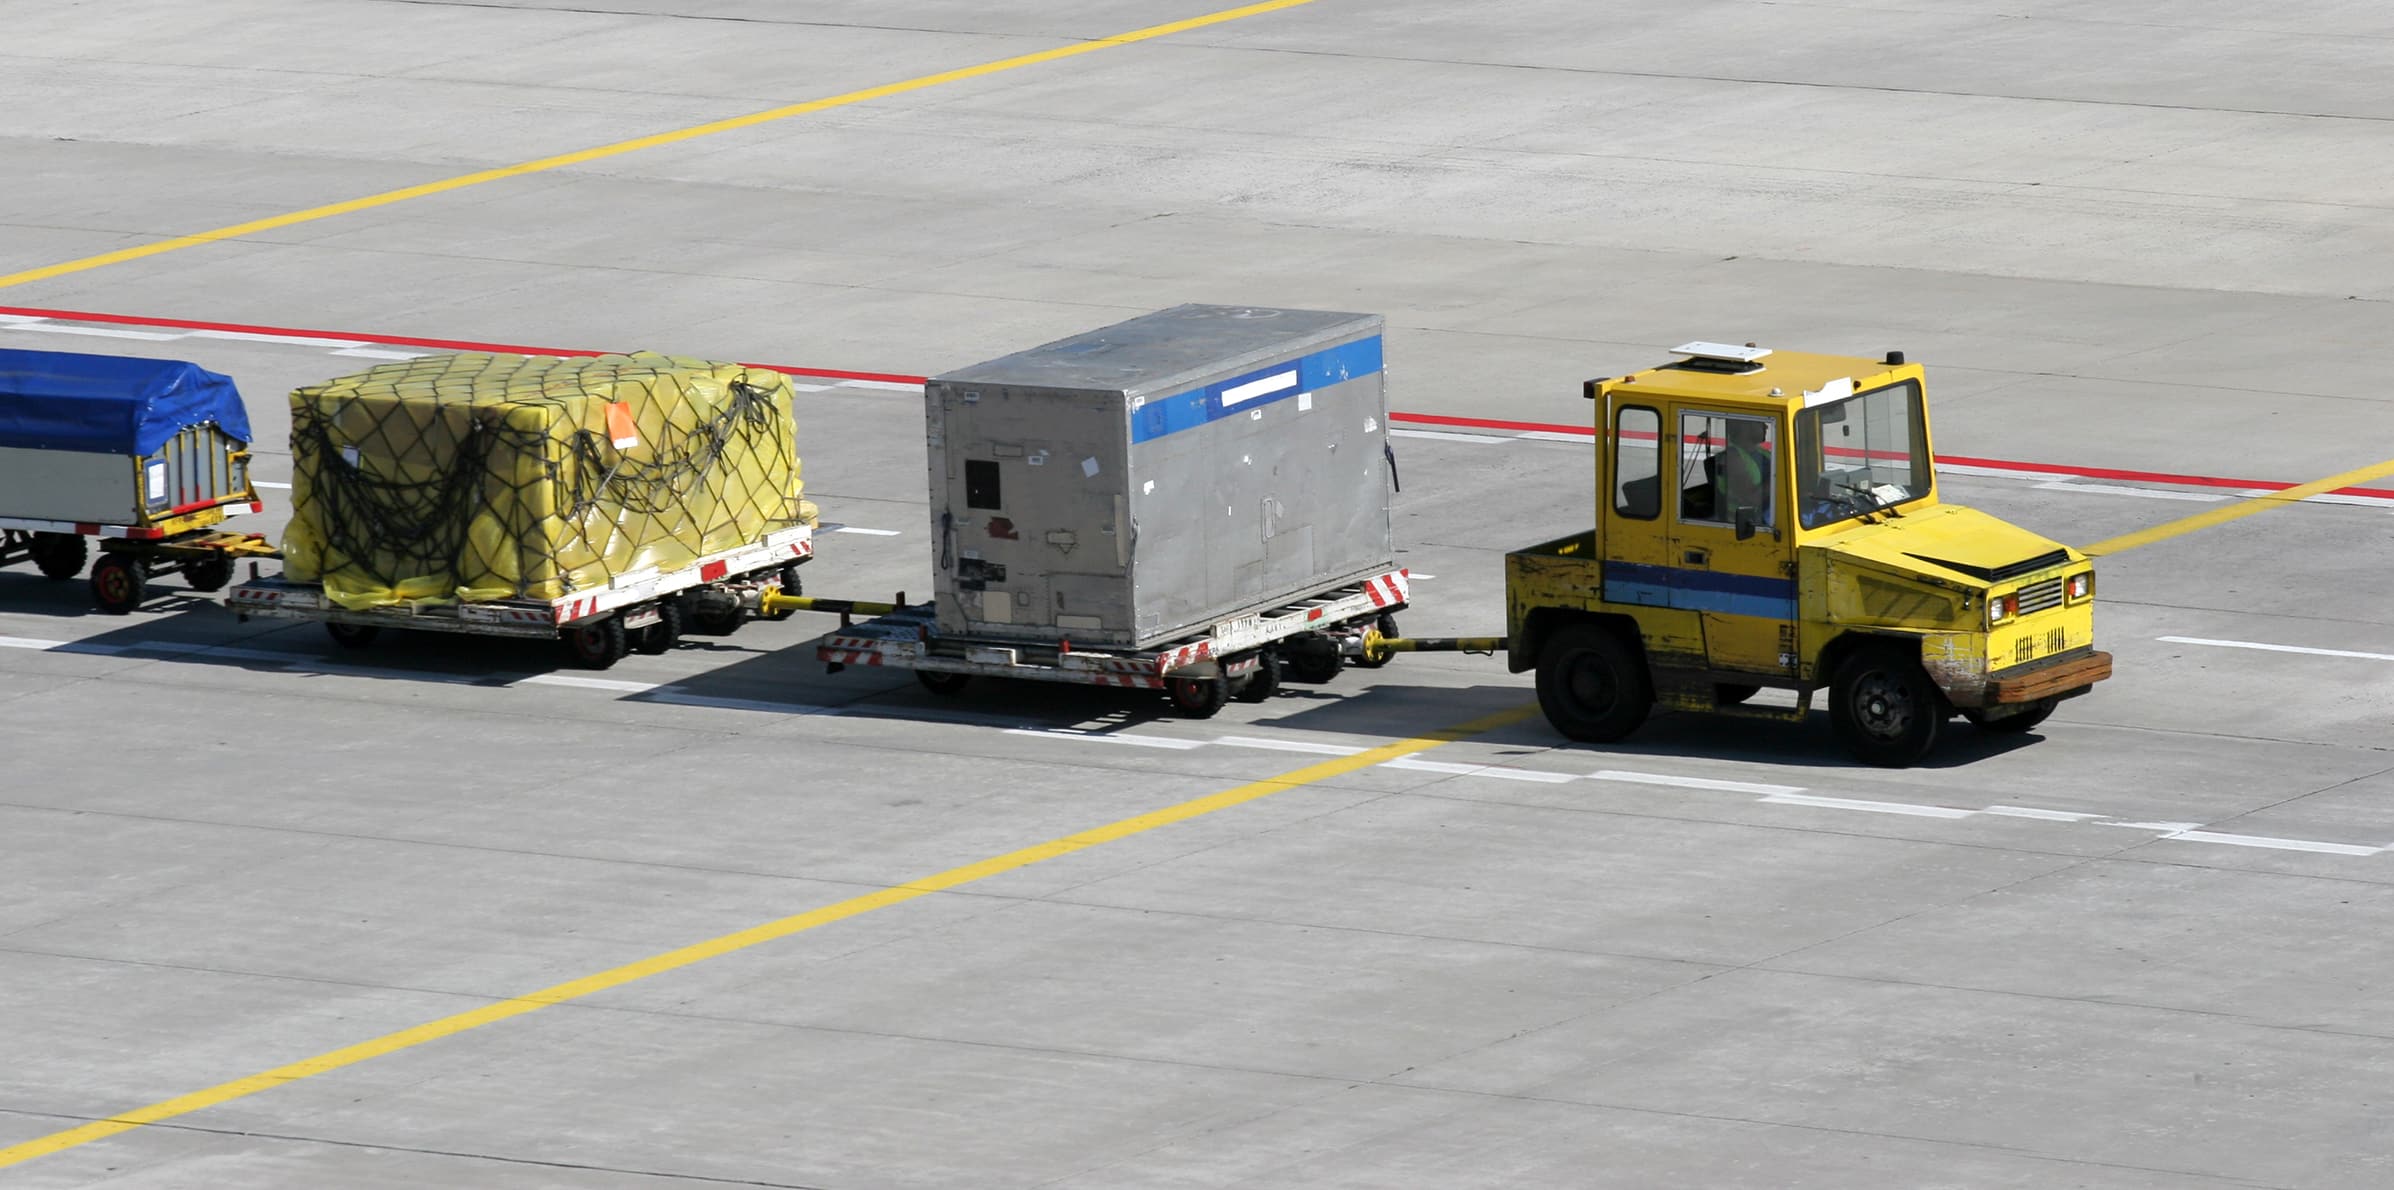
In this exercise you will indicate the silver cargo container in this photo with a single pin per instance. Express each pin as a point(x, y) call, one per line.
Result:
point(1123, 487)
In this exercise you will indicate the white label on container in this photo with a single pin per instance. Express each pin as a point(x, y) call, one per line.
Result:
point(157, 476)
point(1038, 458)
point(1276, 382)
point(1089, 468)
point(1304, 402)
point(1371, 425)
point(1148, 489)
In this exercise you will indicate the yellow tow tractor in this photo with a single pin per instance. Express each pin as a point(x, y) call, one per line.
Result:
point(1771, 519)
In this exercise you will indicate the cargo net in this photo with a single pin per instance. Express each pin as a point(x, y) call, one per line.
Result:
point(482, 477)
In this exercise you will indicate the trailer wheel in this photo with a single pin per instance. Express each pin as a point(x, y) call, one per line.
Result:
point(661, 636)
point(715, 618)
point(1310, 659)
point(790, 585)
point(1885, 708)
point(938, 682)
point(60, 555)
point(1385, 626)
point(595, 644)
point(1592, 686)
point(2037, 712)
point(1198, 698)
point(1264, 681)
point(210, 573)
point(118, 582)
point(351, 636)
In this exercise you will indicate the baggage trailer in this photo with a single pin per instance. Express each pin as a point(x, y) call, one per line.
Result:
point(1306, 639)
point(610, 503)
point(639, 612)
point(146, 455)
point(1195, 500)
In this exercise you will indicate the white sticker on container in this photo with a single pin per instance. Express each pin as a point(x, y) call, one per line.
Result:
point(1089, 468)
point(1037, 458)
point(1147, 489)
point(1371, 425)
point(1255, 415)
point(1304, 402)
point(157, 476)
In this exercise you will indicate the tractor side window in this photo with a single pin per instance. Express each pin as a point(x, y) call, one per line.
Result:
point(1725, 465)
point(1637, 463)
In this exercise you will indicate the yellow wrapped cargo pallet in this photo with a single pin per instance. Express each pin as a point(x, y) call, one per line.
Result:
point(478, 477)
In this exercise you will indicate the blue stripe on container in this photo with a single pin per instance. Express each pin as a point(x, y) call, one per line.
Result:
point(1700, 590)
point(1198, 406)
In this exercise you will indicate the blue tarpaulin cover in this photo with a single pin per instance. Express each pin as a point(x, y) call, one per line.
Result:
point(108, 404)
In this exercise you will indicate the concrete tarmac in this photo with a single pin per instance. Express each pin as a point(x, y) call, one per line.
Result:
point(2143, 946)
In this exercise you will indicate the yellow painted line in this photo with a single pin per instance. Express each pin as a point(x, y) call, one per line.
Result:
point(490, 1014)
point(646, 142)
point(2242, 508)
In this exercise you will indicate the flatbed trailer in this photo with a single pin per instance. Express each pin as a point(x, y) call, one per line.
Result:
point(645, 611)
point(1305, 639)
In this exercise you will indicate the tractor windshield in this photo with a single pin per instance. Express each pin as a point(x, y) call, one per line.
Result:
point(1859, 455)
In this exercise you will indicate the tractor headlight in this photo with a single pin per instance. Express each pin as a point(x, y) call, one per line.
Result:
point(2079, 588)
point(2002, 607)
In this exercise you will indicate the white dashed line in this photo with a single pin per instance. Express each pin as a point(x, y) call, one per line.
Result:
point(1847, 803)
point(2043, 815)
point(1767, 794)
point(2273, 844)
point(2246, 644)
point(1445, 436)
point(96, 332)
point(1478, 770)
point(1100, 737)
point(2113, 489)
point(1705, 783)
point(254, 337)
point(1242, 741)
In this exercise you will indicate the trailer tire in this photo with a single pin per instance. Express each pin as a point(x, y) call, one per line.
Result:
point(1884, 707)
point(715, 619)
point(597, 643)
point(1384, 626)
point(1592, 685)
point(351, 636)
point(118, 583)
point(2038, 712)
point(940, 682)
point(1264, 681)
point(660, 637)
point(1310, 659)
point(60, 555)
point(208, 573)
point(1198, 698)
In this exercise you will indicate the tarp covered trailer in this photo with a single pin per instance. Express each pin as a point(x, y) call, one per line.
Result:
point(147, 455)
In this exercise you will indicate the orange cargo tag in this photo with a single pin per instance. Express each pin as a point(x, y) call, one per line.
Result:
point(620, 428)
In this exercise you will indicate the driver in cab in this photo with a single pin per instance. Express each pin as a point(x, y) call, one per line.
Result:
point(1745, 471)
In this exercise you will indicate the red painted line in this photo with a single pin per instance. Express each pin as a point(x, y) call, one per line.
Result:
point(2077, 472)
point(1421, 419)
point(285, 332)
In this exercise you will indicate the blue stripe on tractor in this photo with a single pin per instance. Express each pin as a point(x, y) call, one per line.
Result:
point(1700, 590)
point(1306, 374)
